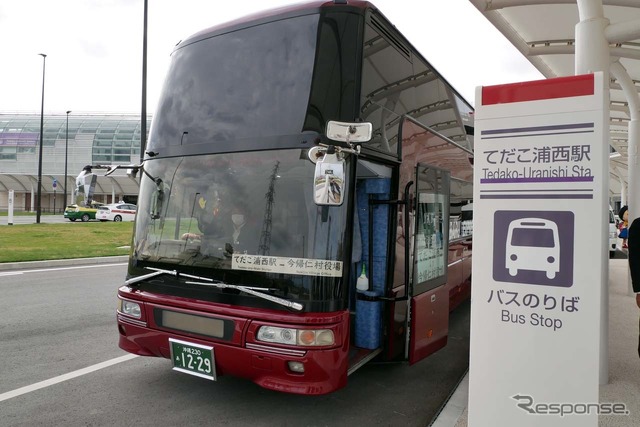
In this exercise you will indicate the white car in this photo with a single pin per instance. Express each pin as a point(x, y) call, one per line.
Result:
point(116, 212)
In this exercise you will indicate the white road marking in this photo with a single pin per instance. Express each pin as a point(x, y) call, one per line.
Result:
point(78, 267)
point(46, 383)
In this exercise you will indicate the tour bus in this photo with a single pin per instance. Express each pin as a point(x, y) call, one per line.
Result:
point(303, 169)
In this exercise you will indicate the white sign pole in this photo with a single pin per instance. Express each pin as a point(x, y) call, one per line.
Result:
point(10, 213)
point(540, 188)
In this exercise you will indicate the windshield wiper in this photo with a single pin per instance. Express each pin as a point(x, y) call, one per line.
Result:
point(246, 289)
point(251, 291)
point(158, 272)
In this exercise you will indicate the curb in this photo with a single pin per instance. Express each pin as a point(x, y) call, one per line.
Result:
point(7, 266)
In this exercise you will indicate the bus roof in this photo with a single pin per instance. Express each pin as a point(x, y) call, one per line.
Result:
point(299, 9)
point(269, 15)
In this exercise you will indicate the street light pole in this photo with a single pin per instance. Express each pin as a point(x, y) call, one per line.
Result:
point(66, 150)
point(143, 113)
point(39, 197)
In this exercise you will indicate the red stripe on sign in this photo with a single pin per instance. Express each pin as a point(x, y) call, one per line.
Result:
point(561, 87)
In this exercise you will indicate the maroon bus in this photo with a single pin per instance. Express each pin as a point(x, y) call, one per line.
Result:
point(305, 202)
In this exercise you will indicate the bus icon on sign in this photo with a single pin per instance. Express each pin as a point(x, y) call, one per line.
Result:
point(533, 244)
point(534, 247)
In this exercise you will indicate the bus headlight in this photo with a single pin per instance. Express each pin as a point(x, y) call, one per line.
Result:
point(292, 336)
point(129, 308)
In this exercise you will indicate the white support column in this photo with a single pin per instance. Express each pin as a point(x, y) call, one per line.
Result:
point(623, 193)
point(33, 199)
point(592, 48)
point(592, 54)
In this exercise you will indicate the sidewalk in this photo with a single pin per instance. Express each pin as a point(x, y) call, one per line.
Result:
point(624, 365)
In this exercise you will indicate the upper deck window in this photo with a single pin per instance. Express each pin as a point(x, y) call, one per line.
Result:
point(242, 84)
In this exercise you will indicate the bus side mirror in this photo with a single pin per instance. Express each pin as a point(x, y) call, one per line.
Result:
point(349, 132)
point(329, 181)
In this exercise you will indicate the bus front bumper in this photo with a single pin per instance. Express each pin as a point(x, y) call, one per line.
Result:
point(325, 370)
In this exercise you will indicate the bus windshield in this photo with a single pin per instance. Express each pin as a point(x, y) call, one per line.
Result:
point(244, 218)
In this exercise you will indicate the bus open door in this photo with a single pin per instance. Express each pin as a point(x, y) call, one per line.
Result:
point(428, 320)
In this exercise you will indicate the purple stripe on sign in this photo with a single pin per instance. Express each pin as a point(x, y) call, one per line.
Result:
point(537, 196)
point(537, 128)
point(531, 190)
point(524, 180)
point(527, 135)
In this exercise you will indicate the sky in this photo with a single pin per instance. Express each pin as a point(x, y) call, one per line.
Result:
point(94, 48)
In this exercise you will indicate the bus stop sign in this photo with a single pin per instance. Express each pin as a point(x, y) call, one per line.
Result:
point(540, 188)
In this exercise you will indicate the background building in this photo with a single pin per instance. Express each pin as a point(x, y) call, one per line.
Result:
point(93, 139)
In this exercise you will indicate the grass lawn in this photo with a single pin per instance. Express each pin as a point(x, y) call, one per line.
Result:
point(37, 242)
